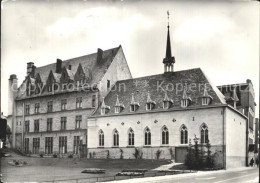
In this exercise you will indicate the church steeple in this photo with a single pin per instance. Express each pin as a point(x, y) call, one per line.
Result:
point(168, 61)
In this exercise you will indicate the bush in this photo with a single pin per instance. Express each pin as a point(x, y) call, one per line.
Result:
point(70, 156)
point(41, 154)
point(121, 155)
point(199, 158)
point(108, 154)
point(138, 154)
point(55, 155)
point(90, 155)
point(171, 153)
point(158, 154)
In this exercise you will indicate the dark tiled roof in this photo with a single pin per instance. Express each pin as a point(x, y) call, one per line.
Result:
point(89, 64)
point(193, 79)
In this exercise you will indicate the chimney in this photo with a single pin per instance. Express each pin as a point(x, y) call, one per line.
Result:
point(58, 66)
point(69, 67)
point(12, 92)
point(33, 71)
point(99, 55)
point(30, 66)
point(248, 81)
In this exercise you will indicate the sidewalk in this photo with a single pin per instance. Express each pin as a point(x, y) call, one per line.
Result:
point(179, 176)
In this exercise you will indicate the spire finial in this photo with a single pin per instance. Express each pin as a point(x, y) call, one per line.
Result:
point(168, 13)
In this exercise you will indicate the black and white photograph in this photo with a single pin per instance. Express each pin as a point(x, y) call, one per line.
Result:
point(129, 91)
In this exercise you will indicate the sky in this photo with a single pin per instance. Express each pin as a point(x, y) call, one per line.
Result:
point(220, 37)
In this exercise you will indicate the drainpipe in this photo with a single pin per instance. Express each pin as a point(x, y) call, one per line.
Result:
point(224, 138)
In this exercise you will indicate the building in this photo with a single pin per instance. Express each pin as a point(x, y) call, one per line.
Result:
point(242, 95)
point(48, 112)
point(256, 135)
point(164, 113)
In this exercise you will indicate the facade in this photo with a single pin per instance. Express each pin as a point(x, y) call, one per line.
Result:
point(164, 113)
point(49, 111)
point(257, 135)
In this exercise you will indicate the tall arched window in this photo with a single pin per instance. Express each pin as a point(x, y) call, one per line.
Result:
point(101, 138)
point(204, 138)
point(165, 136)
point(184, 135)
point(116, 137)
point(131, 137)
point(147, 136)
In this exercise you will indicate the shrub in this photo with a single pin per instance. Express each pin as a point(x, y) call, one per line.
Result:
point(197, 158)
point(108, 154)
point(55, 155)
point(171, 153)
point(90, 155)
point(158, 154)
point(41, 154)
point(121, 155)
point(138, 154)
point(70, 156)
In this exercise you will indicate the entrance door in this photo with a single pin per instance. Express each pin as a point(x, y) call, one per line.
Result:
point(180, 154)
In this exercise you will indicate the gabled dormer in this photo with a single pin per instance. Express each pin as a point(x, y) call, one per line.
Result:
point(80, 75)
point(185, 101)
point(52, 81)
point(118, 107)
point(206, 98)
point(38, 83)
point(30, 85)
point(66, 76)
point(150, 104)
point(104, 108)
point(134, 105)
point(167, 103)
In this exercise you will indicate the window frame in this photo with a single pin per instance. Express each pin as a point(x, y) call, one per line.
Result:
point(131, 137)
point(115, 138)
point(165, 136)
point(184, 135)
point(101, 138)
point(147, 137)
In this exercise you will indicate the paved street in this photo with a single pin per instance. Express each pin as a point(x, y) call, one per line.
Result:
point(242, 175)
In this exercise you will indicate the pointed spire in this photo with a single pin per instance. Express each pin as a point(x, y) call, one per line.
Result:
point(169, 60)
point(166, 98)
point(133, 99)
point(205, 93)
point(149, 100)
point(103, 103)
point(117, 101)
point(185, 96)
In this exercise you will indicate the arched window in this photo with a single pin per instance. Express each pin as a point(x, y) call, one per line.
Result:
point(101, 138)
point(165, 136)
point(131, 137)
point(147, 136)
point(204, 138)
point(116, 137)
point(184, 135)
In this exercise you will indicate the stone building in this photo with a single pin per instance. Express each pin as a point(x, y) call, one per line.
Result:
point(49, 111)
point(163, 113)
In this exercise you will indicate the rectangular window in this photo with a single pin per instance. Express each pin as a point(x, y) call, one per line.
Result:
point(27, 109)
point(49, 88)
point(50, 106)
point(49, 124)
point(78, 121)
point(26, 145)
point(78, 102)
point(48, 145)
point(63, 104)
point(36, 125)
point(132, 108)
point(27, 126)
point(63, 123)
point(63, 144)
point(93, 100)
point(37, 108)
point(36, 145)
point(76, 145)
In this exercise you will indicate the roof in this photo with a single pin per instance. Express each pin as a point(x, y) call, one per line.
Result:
point(139, 90)
point(89, 64)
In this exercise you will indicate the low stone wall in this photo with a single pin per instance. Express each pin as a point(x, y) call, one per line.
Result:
point(128, 152)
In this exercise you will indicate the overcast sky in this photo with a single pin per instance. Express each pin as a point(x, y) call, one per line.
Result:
point(222, 38)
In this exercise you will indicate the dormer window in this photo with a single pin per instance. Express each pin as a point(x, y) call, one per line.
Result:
point(206, 99)
point(150, 104)
point(104, 108)
point(134, 105)
point(185, 101)
point(50, 88)
point(118, 107)
point(167, 102)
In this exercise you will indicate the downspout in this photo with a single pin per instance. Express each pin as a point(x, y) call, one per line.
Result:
point(23, 122)
point(224, 138)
